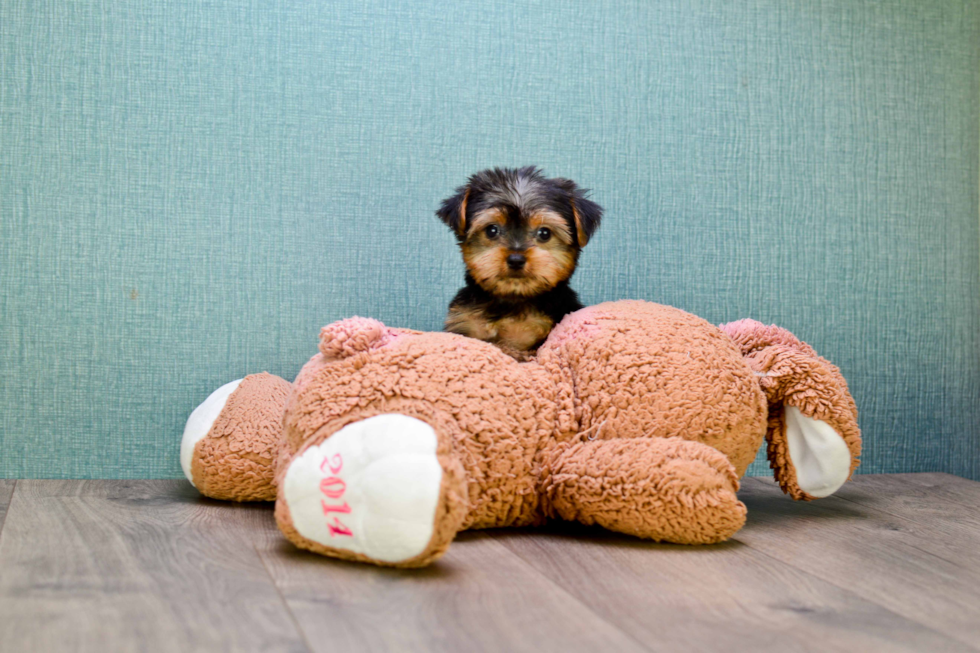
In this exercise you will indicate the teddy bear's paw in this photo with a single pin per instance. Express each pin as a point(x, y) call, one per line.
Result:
point(820, 455)
point(373, 491)
point(228, 448)
point(664, 489)
point(200, 422)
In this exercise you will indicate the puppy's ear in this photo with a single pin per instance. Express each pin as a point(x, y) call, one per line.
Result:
point(453, 211)
point(587, 213)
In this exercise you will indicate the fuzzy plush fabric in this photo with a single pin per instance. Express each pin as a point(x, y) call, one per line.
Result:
point(235, 461)
point(792, 374)
point(633, 416)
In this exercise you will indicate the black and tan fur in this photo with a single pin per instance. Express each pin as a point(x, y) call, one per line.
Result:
point(520, 234)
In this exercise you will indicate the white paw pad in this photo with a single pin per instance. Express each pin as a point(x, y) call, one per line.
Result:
point(201, 421)
point(370, 488)
point(820, 456)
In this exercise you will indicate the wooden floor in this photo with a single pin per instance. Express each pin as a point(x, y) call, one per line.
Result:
point(889, 563)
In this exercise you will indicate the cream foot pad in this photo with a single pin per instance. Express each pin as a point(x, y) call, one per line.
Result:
point(371, 488)
point(820, 456)
point(200, 423)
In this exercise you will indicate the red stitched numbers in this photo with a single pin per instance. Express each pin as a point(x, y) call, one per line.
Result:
point(334, 463)
point(333, 487)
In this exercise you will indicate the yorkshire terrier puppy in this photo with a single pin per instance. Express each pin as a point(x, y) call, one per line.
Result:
point(520, 234)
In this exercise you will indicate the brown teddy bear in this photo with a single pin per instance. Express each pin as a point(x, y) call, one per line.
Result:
point(634, 416)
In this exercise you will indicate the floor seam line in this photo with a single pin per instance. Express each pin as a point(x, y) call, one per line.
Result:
point(850, 590)
point(567, 593)
point(883, 511)
point(911, 520)
point(3, 519)
point(285, 603)
point(964, 503)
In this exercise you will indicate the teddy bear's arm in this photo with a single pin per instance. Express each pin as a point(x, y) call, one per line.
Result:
point(665, 489)
point(814, 443)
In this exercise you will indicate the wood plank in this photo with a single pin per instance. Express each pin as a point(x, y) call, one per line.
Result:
point(955, 489)
point(478, 597)
point(962, 495)
point(885, 559)
point(951, 528)
point(135, 565)
point(713, 598)
point(887, 564)
point(6, 491)
point(932, 498)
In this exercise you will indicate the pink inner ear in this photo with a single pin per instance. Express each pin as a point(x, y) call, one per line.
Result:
point(353, 335)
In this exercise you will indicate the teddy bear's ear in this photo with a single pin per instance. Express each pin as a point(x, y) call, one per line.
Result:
point(453, 211)
point(353, 335)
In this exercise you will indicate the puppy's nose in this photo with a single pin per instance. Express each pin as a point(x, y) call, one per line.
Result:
point(516, 261)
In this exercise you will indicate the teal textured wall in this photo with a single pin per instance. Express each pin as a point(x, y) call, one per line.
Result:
point(188, 191)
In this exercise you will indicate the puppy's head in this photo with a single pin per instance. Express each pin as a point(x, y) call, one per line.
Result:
point(519, 231)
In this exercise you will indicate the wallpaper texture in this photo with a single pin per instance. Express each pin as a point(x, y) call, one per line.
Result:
point(189, 190)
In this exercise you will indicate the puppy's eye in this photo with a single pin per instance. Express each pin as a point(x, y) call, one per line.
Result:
point(492, 231)
point(543, 234)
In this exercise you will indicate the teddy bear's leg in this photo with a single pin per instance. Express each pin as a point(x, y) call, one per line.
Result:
point(814, 442)
point(387, 489)
point(229, 443)
point(665, 489)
